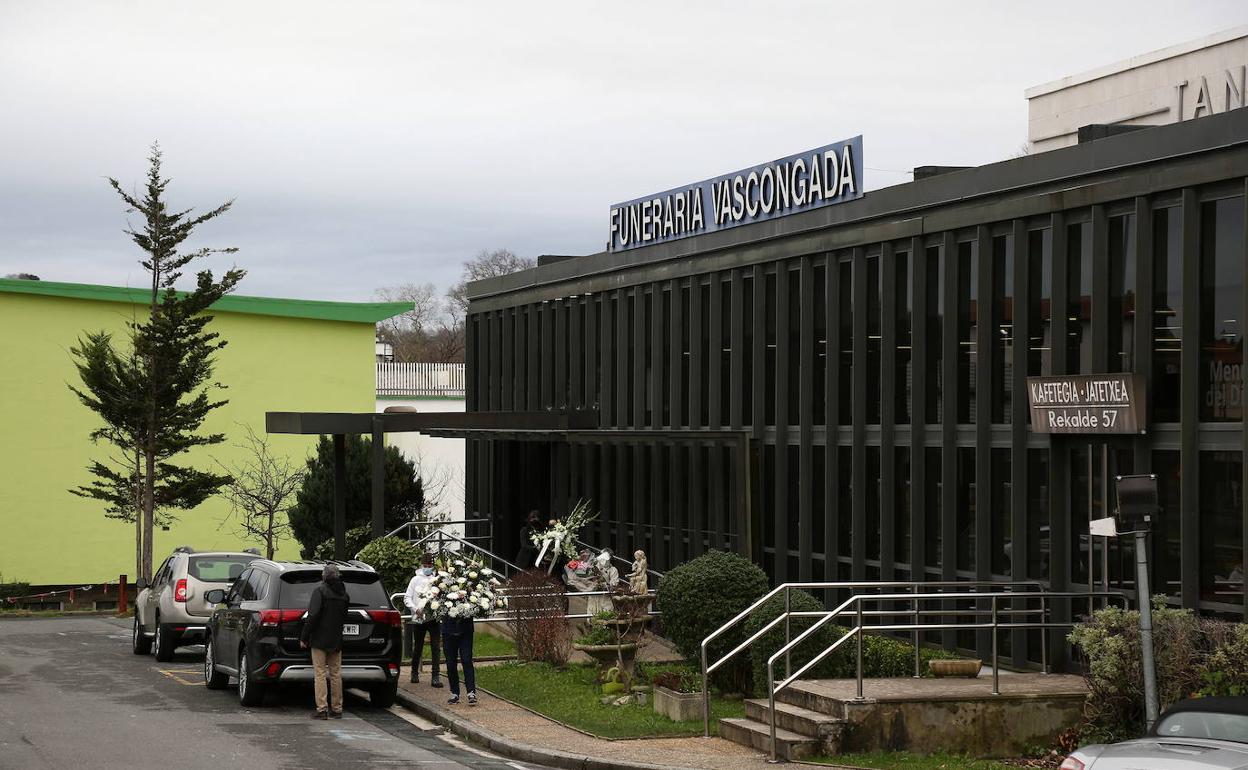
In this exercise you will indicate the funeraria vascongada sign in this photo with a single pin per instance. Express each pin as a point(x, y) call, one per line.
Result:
point(808, 180)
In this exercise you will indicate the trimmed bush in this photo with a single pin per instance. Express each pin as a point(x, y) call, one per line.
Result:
point(394, 558)
point(1226, 671)
point(1109, 642)
point(356, 538)
point(699, 596)
point(882, 656)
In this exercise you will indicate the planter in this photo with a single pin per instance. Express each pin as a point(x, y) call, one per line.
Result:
point(627, 630)
point(632, 605)
point(678, 706)
point(608, 655)
point(954, 668)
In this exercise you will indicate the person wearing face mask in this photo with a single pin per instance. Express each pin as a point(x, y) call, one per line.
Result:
point(422, 622)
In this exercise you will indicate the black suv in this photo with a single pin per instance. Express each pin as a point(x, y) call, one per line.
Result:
point(254, 632)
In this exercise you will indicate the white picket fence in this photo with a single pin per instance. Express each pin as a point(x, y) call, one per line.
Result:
point(396, 379)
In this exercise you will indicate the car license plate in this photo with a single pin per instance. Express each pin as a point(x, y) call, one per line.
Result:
point(351, 629)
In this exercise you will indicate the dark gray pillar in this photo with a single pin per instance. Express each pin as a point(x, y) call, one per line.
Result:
point(340, 496)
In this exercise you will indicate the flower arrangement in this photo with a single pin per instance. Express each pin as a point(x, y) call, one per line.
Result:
point(564, 531)
point(462, 588)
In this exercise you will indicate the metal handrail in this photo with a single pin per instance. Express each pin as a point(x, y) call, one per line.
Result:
point(786, 587)
point(397, 601)
point(442, 536)
point(616, 557)
point(859, 629)
point(436, 525)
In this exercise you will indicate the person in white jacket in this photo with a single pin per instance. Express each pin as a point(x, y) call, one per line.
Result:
point(422, 622)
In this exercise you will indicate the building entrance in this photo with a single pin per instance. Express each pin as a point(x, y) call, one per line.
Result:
point(1096, 562)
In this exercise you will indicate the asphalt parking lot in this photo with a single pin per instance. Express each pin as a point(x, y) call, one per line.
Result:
point(72, 695)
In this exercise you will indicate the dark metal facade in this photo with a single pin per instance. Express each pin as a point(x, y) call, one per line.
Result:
point(876, 355)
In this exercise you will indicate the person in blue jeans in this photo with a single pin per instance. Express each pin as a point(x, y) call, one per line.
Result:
point(457, 648)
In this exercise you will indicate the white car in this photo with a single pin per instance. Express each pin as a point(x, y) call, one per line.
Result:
point(172, 610)
point(1197, 734)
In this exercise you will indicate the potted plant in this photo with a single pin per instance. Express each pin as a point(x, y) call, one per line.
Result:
point(677, 695)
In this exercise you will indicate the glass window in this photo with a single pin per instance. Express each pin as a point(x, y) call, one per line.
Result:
point(725, 352)
point(844, 500)
point(705, 362)
point(1040, 302)
point(686, 351)
point(873, 503)
point(218, 569)
point(968, 322)
point(1121, 318)
point(965, 513)
point(747, 355)
point(1079, 298)
point(933, 499)
point(364, 589)
point(1167, 313)
point(1002, 327)
point(649, 307)
point(769, 379)
point(935, 333)
point(795, 348)
point(845, 332)
point(901, 505)
point(1039, 541)
point(819, 513)
point(873, 340)
point(1168, 534)
point(820, 343)
point(1221, 310)
point(1221, 527)
point(904, 292)
point(1002, 508)
point(666, 396)
point(793, 472)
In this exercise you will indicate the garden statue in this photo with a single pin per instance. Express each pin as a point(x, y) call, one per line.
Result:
point(638, 578)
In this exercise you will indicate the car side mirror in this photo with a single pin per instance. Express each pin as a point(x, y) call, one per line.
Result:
point(141, 583)
point(215, 596)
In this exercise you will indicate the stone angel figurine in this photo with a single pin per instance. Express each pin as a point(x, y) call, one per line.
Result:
point(638, 579)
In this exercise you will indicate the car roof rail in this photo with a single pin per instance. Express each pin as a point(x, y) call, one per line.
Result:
point(255, 551)
point(184, 549)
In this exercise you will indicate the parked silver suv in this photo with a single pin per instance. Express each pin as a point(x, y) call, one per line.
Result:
point(172, 610)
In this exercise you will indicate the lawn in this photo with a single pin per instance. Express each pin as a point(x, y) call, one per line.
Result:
point(901, 760)
point(570, 696)
point(485, 646)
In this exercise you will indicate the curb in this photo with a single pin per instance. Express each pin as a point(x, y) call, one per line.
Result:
point(514, 749)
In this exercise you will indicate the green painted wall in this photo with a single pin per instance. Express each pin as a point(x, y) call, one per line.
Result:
point(47, 535)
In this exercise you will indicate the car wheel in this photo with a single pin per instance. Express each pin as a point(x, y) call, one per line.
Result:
point(249, 693)
point(163, 645)
point(383, 695)
point(213, 679)
point(139, 643)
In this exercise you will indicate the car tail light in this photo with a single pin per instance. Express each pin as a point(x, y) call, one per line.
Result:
point(179, 591)
point(273, 669)
point(394, 670)
point(272, 618)
point(386, 617)
point(1070, 763)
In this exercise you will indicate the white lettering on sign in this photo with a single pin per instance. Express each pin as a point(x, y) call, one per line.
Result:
point(1086, 403)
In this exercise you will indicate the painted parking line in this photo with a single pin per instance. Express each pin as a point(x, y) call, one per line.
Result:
point(457, 743)
point(412, 719)
point(173, 673)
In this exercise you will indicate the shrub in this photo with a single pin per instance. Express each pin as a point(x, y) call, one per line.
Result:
point(699, 596)
point(1226, 670)
point(355, 539)
point(678, 681)
point(1109, 642)
point(596, 635)
point(538, 604)
point(882, 656)
point(394, 558)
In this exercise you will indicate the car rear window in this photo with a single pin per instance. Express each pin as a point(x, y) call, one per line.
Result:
point(1204, 724)
point(363, 589)
point(218, 569)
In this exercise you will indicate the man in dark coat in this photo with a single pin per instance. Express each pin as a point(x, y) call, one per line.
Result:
point(322, 631)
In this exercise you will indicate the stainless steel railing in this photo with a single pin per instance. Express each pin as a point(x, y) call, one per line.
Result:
point(953, 587)
point(857, 601)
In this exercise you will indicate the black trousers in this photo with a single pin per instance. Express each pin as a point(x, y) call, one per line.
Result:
point(459, 648)
point(415, 643)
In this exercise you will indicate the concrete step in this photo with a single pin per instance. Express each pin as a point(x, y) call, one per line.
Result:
point(756, 735)
point(802, 721)
point(807, 695)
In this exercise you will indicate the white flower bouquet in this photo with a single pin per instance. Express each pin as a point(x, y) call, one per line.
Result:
point(563, 533)
point(462, 588)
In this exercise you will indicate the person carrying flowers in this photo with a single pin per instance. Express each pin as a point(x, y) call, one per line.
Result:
point(461, 591)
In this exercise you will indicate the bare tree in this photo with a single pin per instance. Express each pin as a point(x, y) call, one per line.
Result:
point(486, 264)
point(262, 493)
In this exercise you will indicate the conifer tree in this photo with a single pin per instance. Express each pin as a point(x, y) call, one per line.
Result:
point(153, 394)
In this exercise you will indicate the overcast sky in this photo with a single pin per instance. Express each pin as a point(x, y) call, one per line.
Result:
point(370, 144)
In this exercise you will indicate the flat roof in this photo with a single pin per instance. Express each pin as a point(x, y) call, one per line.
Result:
point(1152, 57)
point(354, 312)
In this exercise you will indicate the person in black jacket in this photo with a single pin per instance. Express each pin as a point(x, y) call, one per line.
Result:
point(527, 554)
point(457, 645)
point(322, 631)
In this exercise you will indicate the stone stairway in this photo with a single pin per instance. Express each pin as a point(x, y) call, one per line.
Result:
point(801, 731)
